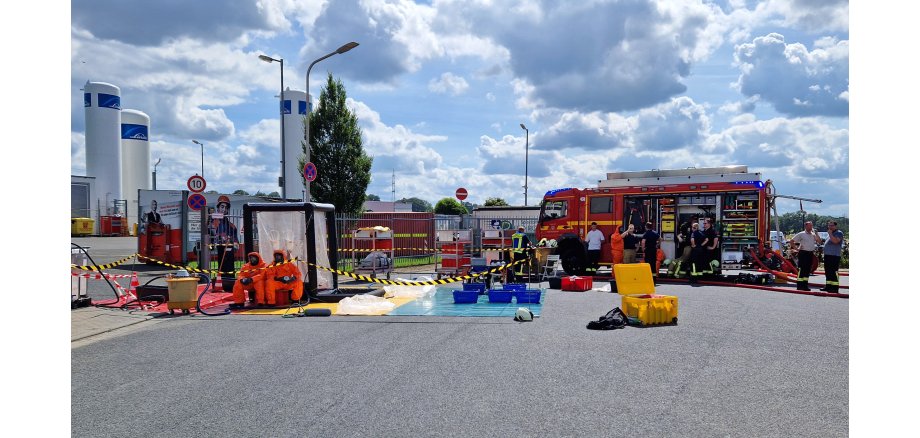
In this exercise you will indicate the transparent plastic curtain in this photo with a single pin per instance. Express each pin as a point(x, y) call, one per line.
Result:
point(323, 278)
point(283, 230)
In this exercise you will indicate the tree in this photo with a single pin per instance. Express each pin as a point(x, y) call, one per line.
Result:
point(241, 192)
point(274, 194)
point(418, 205)
point(495, 202)
point(449, 206)
point(338, 152)
point(372, 197)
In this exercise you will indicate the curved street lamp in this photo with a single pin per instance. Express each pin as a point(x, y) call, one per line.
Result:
point(202, 155)
point(526, 153)
point(269, 60)
point(306, 125)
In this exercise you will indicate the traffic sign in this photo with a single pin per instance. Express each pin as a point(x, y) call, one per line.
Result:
point(496, 224)
point(197, 183)
point(461, 193)
point(197, 201)
point(309, 172)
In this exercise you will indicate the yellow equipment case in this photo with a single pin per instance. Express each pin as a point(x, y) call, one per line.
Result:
point(639, 301)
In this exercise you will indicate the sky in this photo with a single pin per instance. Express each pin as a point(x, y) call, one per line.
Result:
point(441, 88)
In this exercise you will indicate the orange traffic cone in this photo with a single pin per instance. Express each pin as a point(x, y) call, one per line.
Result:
point(218, 285)
point(132, 289)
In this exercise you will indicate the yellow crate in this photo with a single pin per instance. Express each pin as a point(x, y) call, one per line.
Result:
point(81, 226)
point(648, 309)
point(634, 278)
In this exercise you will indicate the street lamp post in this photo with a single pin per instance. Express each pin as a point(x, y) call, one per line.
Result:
point(526, 153)
point(155, 172)
point(306, 125)
point(269, 60)
point(202, 155)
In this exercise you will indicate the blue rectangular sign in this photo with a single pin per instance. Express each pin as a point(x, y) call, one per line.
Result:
point(87, 99)
point(109, 101)
point(286, 107)
point(301, 107)
point(131, 131)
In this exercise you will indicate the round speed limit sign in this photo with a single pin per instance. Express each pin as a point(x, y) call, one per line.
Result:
point(197, 184)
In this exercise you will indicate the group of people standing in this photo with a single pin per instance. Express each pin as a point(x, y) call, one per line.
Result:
point(697, 250)
point(624, 246)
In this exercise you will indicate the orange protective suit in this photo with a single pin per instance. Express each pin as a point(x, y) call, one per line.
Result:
point(616, 249)
point(659, 259)
point(275, 273)
point(255, 272)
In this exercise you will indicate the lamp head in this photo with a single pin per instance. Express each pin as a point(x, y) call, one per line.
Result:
point(346, 47)
point(523, 127)
point(267, 59)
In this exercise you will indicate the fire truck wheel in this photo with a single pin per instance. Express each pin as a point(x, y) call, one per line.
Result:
point(573, 261)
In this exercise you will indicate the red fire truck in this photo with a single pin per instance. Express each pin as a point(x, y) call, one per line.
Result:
point(735, 199)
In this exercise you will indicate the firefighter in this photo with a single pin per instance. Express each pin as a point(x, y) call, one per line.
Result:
point(250, 279)
point(616, 248)
point(677, 266)
point(282, 276)
point(659, 259)
point(520, 245)
point(806, 243)
point(832, 252)
point(712, 245)
point(649, 244)
point(698, 261)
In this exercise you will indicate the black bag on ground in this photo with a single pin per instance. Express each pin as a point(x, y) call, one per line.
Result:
point(614, 319)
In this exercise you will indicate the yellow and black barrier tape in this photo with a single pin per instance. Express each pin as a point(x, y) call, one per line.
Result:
point(419, 283)
point(214, 271)
point(105, 266)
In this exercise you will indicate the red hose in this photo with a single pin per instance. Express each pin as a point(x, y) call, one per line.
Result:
point(767, 288)
point(810, 284)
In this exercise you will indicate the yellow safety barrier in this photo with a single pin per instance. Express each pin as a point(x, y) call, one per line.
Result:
point(419, 283)
point(105, 266)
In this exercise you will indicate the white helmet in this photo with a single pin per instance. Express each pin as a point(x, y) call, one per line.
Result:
point(523, 314)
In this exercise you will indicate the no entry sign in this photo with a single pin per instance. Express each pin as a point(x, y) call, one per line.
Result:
point(461, 193)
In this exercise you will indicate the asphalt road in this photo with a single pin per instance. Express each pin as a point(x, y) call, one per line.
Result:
point(739, 363)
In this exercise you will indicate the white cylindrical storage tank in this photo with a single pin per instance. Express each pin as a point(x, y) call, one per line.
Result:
point(102, 104)
point(294, 108)
point(135, 158)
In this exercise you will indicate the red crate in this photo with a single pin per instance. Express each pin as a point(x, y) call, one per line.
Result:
point(577, 284)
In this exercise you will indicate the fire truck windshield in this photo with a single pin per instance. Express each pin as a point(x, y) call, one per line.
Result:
point(553, 210)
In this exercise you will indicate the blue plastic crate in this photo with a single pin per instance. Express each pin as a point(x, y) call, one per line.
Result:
point(500, 296)
point(466, 296)
point(479, 287)
point(514, 286)
point(527, 296)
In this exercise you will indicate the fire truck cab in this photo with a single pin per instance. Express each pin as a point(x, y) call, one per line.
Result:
point(671, 200)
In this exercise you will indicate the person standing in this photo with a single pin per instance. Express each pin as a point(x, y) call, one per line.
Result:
point(649, 243)
point(595, 239)
point(806, 242)
point(832, 251)
point(616, 246)
point(630, 240)
point(520, 245)
point(712, 246)
point(679, 264)
point(697, 253)
point(225, 238)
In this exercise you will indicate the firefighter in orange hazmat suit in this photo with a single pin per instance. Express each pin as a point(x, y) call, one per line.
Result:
point(616, 249)
point(659, 258)
point(250, 279)
point(282, 276)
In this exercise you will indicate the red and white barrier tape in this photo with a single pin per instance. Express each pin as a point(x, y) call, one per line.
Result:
point(99, 276)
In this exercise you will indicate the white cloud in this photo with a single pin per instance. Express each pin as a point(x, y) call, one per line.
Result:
point(796, 81)
point(395, 147)
point(449, 83)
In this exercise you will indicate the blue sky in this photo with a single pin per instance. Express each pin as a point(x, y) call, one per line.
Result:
point(441, 87)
